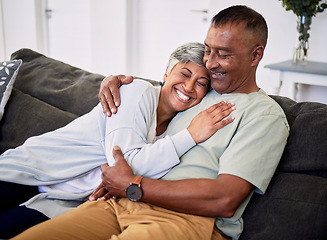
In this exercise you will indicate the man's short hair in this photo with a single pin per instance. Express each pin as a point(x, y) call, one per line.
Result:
point(253, 21)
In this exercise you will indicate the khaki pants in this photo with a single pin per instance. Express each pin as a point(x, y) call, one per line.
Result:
point(124, 220)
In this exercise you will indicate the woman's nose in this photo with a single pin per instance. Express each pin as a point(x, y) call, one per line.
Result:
point(189, 85)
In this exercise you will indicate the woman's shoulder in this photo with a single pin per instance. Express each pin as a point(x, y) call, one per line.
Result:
point(139, 92)
point(139, 88)
point(140, 84)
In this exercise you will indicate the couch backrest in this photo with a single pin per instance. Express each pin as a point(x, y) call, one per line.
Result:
point(306, 149)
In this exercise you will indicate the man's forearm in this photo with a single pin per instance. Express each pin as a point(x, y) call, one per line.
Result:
point(215, 198)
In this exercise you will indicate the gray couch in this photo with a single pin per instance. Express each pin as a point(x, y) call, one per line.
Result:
point(48, 94)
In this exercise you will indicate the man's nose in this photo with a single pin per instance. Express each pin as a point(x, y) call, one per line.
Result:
point(211, 61)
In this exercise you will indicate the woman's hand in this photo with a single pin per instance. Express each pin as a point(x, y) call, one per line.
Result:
point(207, 122)
point(109, 96)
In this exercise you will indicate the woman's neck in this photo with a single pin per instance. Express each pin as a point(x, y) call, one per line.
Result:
point(164, 116)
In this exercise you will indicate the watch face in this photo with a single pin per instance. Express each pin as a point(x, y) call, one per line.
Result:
point(134, 192)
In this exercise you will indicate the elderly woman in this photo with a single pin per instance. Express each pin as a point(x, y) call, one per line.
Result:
point(64, 165)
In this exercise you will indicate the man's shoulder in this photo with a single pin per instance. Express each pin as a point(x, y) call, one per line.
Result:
point(248, 106)
point(258, 101)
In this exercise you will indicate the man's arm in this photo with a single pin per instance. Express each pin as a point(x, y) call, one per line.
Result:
point(109, 96)
point(208, 197)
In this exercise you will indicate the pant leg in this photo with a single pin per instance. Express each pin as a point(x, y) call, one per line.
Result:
point(148, 222)
point(124, 220)
point(219, 235)
point(14, 194)
point(91, 220)
point(19, 219)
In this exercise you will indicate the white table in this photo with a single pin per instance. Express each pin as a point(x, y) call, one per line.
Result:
point(312, 73)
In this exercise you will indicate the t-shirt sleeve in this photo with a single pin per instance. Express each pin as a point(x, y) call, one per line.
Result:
point(255, 151)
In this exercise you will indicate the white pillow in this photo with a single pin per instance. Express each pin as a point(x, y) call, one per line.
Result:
point(8, 73)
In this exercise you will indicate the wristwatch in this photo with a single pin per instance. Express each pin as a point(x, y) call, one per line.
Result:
point(134, 191)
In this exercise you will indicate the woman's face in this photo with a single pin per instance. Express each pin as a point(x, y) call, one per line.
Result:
point(185, 86)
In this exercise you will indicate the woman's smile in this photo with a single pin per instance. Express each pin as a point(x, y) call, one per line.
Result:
point(182, 96)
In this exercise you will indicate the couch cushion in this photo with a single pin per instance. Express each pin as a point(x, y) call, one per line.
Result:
point(306, 149)
point(59, 84)
point(294, 207)
point(27, 116)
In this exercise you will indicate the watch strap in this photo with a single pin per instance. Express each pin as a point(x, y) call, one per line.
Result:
point(137, 180)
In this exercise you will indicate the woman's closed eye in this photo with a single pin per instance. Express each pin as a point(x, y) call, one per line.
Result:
point(203, 82)
point(185, 75)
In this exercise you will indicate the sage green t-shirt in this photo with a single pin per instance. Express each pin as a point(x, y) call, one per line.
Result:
point(250, 147)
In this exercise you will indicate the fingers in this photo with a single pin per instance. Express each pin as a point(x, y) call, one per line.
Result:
point(107, 103)
point(114, 91)
point(126, 80)
point(109, 95)
point(224, 122)
point(223, 111)
point(221, 106)
point(98, 192)
point(118, 155)
point(106, 197)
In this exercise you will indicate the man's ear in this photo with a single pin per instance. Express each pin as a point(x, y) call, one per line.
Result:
point(257, 55)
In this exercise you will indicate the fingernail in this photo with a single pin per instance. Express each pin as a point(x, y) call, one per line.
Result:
point(116, 148)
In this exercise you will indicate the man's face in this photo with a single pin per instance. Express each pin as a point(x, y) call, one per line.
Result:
point(228, 59)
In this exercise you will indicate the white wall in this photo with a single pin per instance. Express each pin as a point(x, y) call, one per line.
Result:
point(109, 36)
point(69, 29)
point(110, 43)
point(19, 25)
point(2, 36)
point(163, 25)
point(281, 42)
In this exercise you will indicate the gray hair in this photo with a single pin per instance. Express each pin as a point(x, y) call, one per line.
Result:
point(192, 51)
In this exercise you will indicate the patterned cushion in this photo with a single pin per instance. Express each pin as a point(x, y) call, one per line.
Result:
point(8, 73)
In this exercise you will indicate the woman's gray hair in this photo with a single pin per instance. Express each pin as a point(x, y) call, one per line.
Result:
point(192, 51)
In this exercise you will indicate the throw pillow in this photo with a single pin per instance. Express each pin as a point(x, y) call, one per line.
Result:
point(8, 73)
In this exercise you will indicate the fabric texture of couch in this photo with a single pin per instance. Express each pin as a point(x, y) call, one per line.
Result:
point(48, 94)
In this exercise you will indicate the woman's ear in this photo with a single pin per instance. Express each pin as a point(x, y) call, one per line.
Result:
point(165, 76)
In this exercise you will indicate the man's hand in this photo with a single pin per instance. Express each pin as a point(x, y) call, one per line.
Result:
point(109, 96)
point(100, 192)
point(115, 179)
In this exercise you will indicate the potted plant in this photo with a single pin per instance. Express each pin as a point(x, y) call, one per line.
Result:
point(304, 10)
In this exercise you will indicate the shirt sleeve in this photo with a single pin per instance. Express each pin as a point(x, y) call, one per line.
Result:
point(266, 136)
point(129, 129)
